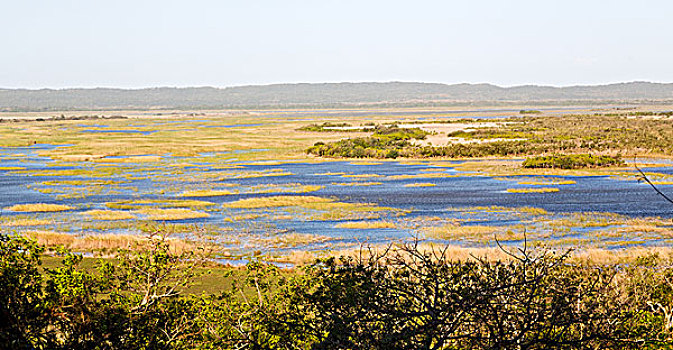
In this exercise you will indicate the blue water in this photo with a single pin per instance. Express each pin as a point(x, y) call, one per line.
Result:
point(457, 190)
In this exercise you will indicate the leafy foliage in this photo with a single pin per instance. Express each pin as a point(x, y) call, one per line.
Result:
point(572, 161)
point(327, 126)
point(400, 298)
point(524, 136)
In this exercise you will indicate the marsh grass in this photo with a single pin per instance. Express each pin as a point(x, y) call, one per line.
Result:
point(206, 193)
point(547, 182)
point(293, 240)
point(366, 225)
point(160, 214)
point(358, 176)
point(275, 201)
point(16, 221)
point(533, 190)
point(421, 184)
point(330, 174)
point(161, 203)
point(423, 175)
point(356, 183)
point(453, 231)
point(106, 243)
point(109, 215)
point(284, 188)
point(39, 207)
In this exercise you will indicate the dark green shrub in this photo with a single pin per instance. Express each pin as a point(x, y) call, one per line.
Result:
point(572, 161)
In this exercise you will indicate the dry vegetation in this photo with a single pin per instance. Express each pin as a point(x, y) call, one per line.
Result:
point(39, 207)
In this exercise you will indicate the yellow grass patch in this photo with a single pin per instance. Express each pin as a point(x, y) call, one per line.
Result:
point(39, 207)
point(366, 224)
point(330, 174)
point(167, 203)
point(275, 201)
point(420, 184)
point(533, 190)
point(131, 159)
point(78, 157)
point(109, 215)
point(26, 222)
point(421, 176)
point(104, 242)
point(362, 175)
point(160, 214)
point(547, 182)
point(206, 193)
point(456, 231)
point(440, 164)
point(357, 183)
point(287, 188)
point(293, 240)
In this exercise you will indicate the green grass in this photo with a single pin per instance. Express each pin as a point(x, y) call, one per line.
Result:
point(212, 280)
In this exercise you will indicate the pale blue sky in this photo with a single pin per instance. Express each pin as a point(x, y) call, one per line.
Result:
point(144, 43)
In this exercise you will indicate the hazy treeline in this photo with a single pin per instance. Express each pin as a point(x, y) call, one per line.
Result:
point(332, 94)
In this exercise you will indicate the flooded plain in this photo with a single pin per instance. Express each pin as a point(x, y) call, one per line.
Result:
point(274, 206)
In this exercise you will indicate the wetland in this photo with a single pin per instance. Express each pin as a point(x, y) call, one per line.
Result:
point(252, 182)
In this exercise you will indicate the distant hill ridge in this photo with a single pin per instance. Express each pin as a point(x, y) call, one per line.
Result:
point(327, 94)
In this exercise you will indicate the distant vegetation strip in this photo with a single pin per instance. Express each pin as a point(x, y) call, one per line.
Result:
point(572, 161)
point(524, 136)
point(325, 95)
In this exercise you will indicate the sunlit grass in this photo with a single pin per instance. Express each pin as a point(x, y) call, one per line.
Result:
point(361, 175)
point(110, 215)
point(356, 183)
point(366, 224)
point(330, 174)
point(206, 193)
point(159, 214)
point(24, 221)
point(292, 240)
point(284, 188)
point(532, 190)
point(547, 182)
point(423, 175)
point(478, 233)
point(366, 163)
point(39, 207)
point(162, 203)
point(104, 242)
point(275, 201)
point(421, 184)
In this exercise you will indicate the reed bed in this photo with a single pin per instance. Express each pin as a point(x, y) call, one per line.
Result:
point(39, 207)
point(366, 225)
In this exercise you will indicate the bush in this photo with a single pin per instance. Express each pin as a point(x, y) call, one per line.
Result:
point(326, 127)
point(572, 161)
point(402, 298)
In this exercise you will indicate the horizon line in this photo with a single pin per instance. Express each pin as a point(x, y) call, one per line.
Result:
point(330, 83)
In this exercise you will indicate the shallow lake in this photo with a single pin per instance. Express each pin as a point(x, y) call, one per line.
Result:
point(406, 196)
